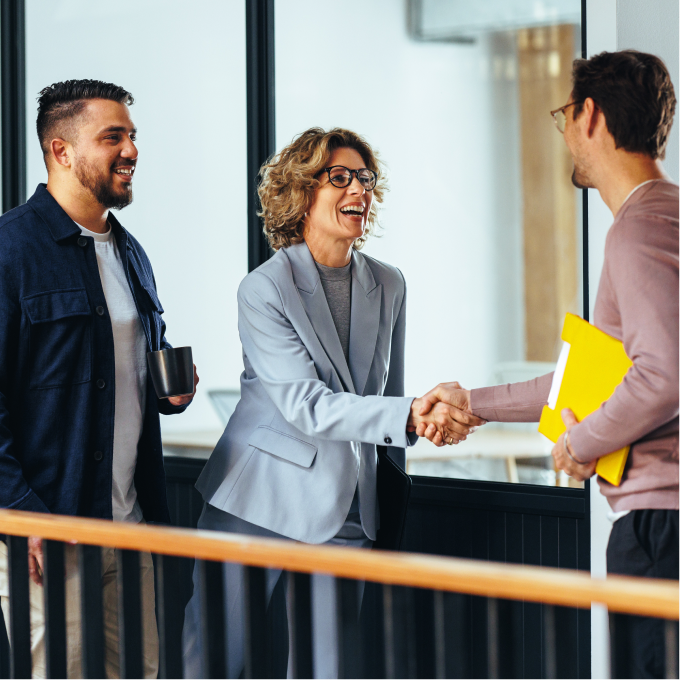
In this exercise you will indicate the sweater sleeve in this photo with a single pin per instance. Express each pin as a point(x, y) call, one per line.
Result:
point(641, 266)
point(513, 403)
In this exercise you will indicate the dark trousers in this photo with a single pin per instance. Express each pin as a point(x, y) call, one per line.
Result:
point(642, 543)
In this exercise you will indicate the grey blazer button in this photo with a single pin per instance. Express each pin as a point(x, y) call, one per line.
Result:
point(101, 384)
point(100, 310)
point(388, 440)
point(82, 241)
point(98, 455)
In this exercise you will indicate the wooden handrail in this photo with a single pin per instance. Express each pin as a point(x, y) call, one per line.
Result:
point(648, 597)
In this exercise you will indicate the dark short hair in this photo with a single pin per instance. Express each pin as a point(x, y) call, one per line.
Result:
point(634, 92)
point(60, 103)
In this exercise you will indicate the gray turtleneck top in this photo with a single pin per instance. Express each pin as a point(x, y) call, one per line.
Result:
point(337, 285)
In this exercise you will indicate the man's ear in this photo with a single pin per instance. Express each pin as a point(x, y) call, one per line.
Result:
point(61, 152)
point(592, 116)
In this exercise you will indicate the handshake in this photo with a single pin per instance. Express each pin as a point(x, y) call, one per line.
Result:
point(443, 415)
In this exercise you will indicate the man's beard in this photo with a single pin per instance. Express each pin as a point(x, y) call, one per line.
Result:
point(101, 186)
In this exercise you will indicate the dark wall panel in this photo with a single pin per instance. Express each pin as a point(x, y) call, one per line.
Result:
point(522, 524)
point(511, 523)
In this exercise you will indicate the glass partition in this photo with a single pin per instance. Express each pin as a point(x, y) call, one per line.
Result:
point(481, 218)
point(185, 65)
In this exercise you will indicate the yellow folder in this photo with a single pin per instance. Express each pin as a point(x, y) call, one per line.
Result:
point(595, 366)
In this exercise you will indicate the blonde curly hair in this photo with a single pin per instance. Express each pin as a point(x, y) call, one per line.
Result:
point(289, 181)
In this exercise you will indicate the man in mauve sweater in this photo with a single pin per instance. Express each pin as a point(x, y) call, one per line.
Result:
point(616, 125)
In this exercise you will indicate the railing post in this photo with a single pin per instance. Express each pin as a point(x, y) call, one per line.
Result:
point(300, 608)
point(505, 639)
point(492, 638)
point(452, 635)
point(257, 651)
point(55, 608)
point(350, 655)
point(130, 634)
point(170, 654)
point(549, 642)
point(388, 625)
point(19, 607)
point(566, 631)
point(400, 634)
point(671, 635)
point(91, 608)
point(619, 638)
point(439, 636)
point(211, 594)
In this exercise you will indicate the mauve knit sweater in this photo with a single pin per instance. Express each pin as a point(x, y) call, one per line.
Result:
point(637, 302)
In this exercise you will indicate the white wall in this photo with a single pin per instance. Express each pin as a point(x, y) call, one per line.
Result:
point(652, 26)
point(427, 109)
point(185, 65)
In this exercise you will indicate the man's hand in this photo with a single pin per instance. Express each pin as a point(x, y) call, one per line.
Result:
point(180, 401)
point(457, 399)
point(452, 393)
point(441, 423)
point(35, 559)
point(579, 471)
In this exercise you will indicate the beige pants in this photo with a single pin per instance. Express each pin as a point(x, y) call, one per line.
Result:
point(73, 628)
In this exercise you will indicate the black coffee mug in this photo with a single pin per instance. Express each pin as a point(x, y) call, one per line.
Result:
point(172, 371)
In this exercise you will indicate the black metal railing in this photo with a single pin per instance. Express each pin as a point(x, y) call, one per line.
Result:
point(459, 597)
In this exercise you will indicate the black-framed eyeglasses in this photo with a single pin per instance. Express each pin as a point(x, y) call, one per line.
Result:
point(560, 118)
point(341, 177)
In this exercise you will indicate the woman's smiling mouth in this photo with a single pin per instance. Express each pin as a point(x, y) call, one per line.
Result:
point(354, 211)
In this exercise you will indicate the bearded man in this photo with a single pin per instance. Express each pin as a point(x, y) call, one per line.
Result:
point(79, 418)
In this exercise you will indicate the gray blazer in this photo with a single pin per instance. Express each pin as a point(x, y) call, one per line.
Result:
point(307, 425)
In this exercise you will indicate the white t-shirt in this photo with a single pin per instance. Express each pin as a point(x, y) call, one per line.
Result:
point(130, 347)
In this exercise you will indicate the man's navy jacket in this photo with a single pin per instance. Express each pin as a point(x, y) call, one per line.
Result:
point(57, 375)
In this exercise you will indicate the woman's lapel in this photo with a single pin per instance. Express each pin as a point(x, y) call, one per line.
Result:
point(365, 321)
point(308, 283)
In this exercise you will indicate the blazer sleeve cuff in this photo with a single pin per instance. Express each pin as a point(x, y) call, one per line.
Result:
point(394, 431)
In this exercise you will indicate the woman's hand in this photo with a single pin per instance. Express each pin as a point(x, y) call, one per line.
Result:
point(442, 423)
point(458, 399)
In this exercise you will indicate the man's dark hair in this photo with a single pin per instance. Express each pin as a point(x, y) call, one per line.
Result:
point(634, 92)
point(61, 103)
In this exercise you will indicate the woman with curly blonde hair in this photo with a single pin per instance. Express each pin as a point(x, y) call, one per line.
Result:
point(322, 328)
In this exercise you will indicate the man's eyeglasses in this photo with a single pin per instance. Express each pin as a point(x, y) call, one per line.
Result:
point(341, 177)
point(560, 117)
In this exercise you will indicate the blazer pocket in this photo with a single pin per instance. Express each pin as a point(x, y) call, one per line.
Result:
point(60, 344)
point(283, 446)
